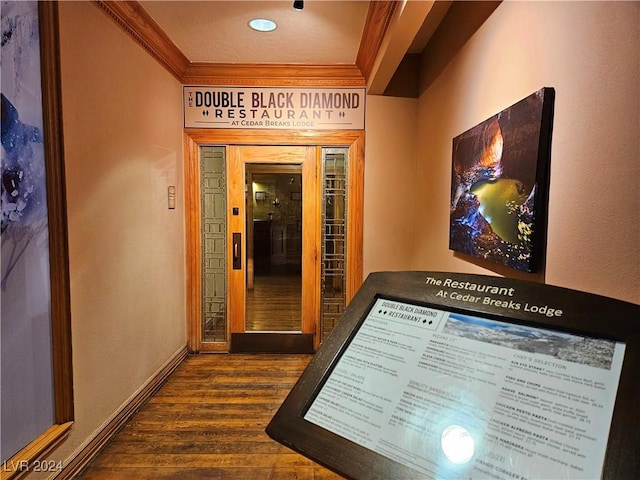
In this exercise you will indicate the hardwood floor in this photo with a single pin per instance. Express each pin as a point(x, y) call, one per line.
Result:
point(275, 303)
point(207, 422)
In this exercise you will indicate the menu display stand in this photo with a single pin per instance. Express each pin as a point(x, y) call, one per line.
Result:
point(444, 375)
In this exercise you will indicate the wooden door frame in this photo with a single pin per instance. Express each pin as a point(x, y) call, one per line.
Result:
point(196, 138)
point(239, 156)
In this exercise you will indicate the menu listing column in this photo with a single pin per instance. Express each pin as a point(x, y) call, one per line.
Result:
point(449, 395)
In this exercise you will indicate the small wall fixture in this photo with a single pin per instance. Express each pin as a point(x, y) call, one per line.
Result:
point(298, 4)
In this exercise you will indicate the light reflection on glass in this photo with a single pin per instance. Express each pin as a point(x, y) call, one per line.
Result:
point(457, 444)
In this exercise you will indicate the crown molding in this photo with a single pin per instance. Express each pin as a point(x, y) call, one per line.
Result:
point(379, 18)
point(322, 75)
point(147, 33)
point(130, 16)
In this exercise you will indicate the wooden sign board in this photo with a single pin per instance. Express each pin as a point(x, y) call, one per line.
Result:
point(443, 375)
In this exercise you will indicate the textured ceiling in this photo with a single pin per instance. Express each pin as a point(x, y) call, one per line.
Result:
point(325, 31)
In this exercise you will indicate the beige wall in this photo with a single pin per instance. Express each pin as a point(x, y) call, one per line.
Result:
point(588, 52)
point(123, 147)
point(390, 183)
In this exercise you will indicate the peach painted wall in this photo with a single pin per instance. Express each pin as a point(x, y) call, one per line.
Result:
point(123, 148)
point(590, 53)
point(390, 183)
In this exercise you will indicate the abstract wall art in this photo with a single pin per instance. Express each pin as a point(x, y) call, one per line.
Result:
point(35, 328)
point(499, 185)
point(24, 284)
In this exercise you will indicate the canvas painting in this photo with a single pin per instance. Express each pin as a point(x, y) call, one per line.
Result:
point(499, 185)
point(26, 358)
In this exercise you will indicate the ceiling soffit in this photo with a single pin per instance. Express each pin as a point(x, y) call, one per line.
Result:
point(132, 17)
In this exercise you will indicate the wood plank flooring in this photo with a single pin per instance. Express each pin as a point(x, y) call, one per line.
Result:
point(275, 303)
point(207, 422)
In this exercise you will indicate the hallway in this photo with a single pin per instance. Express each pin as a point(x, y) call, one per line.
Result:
point(207, 422)
point(275, 303)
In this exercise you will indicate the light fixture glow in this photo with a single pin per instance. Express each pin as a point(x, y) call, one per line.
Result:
point(457, 444)
point(262, 24)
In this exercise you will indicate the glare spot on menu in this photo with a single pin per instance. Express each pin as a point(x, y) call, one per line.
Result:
point(457, 444)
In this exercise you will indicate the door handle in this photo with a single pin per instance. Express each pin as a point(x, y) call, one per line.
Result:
point(237, 251)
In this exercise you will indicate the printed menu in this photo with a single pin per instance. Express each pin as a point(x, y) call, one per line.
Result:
point(452, 395)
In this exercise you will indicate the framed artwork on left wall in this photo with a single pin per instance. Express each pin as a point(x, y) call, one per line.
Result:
point(499, 185)
point(37, 393)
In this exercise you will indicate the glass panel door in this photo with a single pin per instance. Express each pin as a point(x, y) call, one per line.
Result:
point(274, 248)
point(273, 278)
point(216, 189)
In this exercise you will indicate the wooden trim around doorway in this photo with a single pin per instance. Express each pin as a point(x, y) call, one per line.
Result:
point(195, 138)
point(276, 156)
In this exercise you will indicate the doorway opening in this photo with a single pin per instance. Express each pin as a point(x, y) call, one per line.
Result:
point(274, 248)
point(267, 216)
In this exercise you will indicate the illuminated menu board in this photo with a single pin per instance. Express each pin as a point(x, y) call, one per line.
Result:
point(445, 375)
point(453, 395)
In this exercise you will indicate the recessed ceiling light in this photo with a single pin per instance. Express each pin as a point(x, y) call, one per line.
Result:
point(262, 25)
